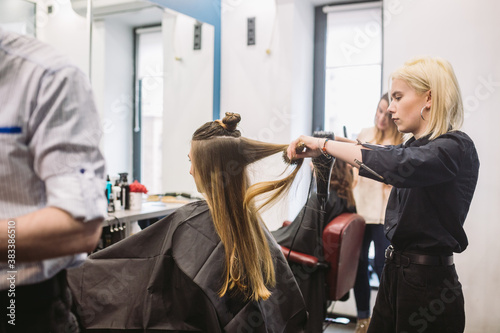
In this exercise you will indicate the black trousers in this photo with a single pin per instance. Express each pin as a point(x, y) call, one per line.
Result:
point(418, 298)
point(39, 308)
point(362, 289)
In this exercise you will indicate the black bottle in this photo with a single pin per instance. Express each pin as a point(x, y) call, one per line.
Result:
point(125, 192)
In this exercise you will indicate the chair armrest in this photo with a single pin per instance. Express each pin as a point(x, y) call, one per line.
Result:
point(299, 258)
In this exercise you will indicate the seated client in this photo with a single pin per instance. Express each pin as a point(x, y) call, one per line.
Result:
point(211, 266)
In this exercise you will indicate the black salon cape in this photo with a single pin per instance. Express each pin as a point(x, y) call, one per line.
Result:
point(166, 278)
point(304, 235)
point(305, 232)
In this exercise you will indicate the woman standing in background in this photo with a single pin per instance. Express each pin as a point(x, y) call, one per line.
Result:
point(371, 201)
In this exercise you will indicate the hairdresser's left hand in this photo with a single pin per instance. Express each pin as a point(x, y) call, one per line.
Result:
point(312, 147)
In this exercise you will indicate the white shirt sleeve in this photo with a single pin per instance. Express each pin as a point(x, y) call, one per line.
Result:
point(64, 133)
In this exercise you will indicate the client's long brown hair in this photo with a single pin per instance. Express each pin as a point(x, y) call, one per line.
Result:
point(341, 181)
point(220, 157)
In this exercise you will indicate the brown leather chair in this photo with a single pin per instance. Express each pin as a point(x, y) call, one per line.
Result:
point(342, 239)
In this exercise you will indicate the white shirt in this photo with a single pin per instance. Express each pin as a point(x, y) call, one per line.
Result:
point(371, 196)
point(49, 138)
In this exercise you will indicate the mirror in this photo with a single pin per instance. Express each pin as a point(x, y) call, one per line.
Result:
point(45, 19)
point(18, 16)
point(153, 84)
point(151, 70)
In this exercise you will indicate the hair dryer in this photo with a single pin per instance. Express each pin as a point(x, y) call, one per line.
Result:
point(323, 169)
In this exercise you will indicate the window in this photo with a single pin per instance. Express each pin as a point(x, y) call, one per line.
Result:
point(349, 88)
point(353, 67)
point(148, 122)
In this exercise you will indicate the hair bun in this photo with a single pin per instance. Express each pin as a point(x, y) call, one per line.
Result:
point(231, 120)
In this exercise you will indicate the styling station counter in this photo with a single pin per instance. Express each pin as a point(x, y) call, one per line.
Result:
point(122, 219)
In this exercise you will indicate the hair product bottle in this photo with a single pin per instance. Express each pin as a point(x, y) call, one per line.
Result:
point(117, 195)
point(125, 190)
point(108, 188)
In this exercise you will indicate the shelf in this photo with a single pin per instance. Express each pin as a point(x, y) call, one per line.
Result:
point(149, 210)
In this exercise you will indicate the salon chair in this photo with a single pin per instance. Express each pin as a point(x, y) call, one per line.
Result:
point(342, 239)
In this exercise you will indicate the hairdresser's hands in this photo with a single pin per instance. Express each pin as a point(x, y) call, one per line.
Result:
point(311, 148)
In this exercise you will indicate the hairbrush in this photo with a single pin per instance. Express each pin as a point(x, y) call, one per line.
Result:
point(298, 149)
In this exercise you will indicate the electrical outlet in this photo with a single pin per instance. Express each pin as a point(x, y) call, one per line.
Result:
point(251, 31)
point(197, 36)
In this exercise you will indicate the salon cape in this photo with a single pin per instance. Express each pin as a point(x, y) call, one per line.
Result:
point(166, 279)
point(304, 234)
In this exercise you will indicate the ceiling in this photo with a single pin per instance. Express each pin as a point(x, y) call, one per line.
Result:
point(103, 7)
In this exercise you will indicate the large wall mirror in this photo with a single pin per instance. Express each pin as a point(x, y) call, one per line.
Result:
point(18, 16)
point(152, 72)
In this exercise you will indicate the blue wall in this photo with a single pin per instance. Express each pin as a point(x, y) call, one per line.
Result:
point(208, 11)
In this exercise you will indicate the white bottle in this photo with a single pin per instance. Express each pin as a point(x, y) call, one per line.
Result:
point(117, 192)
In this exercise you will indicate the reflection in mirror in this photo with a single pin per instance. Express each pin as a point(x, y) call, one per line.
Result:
point(152, 87)
point(53, 22)
point(105, 7)
point(59, 25)
point(18, 16)
point(152, 78)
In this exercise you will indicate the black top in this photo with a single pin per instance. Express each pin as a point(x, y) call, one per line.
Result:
point(434, 182)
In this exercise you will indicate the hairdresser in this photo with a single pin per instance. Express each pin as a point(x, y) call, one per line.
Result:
point(52, 198)
point(434, 175)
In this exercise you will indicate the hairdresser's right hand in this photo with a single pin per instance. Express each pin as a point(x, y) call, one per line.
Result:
point(312, 148)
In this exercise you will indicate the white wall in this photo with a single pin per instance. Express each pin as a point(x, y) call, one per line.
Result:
point(117, 83)
point(302, 93)
point(188, 95)
point(62, 28)
point(466, 33)
point(98, 69)
point(112, 70)
point(272, 92)
point(188, 87)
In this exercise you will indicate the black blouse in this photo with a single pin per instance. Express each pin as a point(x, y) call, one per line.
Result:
point(434, 182)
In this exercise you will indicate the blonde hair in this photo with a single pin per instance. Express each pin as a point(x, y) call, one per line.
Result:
point(392, 133)
point(437, 75)
point(220, 158)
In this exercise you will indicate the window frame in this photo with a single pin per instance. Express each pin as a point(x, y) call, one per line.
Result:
point(319, 64)
point(137, 112)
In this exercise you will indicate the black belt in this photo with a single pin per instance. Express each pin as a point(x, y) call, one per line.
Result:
point(405, 258)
